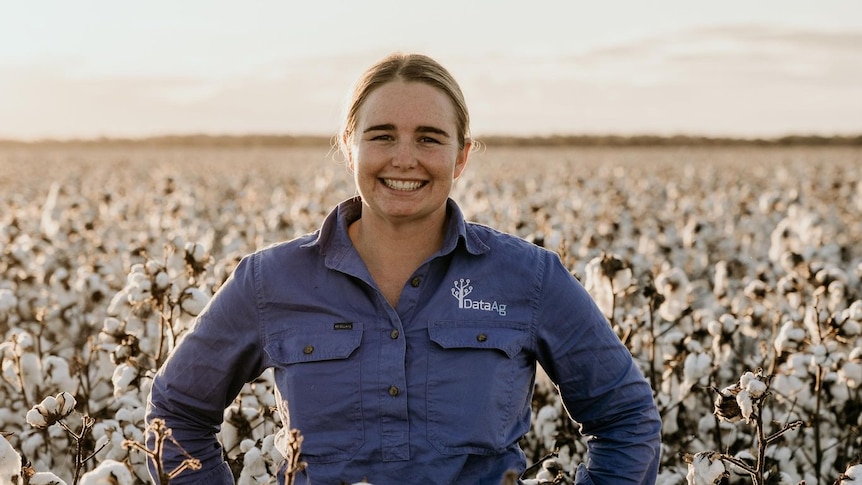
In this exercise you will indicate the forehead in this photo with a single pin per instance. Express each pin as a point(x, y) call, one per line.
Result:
point(405, 103)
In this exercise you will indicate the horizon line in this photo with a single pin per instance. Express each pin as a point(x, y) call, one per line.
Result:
point(573, 139)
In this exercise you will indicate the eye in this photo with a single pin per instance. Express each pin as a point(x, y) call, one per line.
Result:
point(382, 137)
point(428, 139)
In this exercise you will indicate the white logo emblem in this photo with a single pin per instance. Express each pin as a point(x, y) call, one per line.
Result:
point(462, 288)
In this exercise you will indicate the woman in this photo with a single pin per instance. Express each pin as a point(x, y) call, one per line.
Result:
point(405, 340)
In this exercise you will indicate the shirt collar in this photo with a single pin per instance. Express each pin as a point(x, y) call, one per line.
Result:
point(333, 240)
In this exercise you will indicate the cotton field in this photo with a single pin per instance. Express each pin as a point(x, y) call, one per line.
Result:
point(732, 275)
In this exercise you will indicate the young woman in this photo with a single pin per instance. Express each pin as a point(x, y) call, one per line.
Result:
point(404, 340)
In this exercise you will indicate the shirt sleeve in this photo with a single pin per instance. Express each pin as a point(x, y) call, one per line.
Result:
point(602, 388)
point(204, 374)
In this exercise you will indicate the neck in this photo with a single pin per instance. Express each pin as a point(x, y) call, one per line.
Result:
point(386, 243)
point(392, 253)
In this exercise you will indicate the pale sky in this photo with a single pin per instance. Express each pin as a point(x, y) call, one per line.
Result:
point(731, 68)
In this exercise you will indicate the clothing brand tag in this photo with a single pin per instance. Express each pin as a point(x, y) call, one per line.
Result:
point(342, 326)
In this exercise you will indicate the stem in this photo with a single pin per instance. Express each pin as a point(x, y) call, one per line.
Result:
point(761, 446)
point(787, 427)
point(163, 323)
point(818, 451)
point(739, 463)
point(652, 372)
point(86, 425)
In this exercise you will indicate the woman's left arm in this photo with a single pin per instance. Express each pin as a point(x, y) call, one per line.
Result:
point(601, 386)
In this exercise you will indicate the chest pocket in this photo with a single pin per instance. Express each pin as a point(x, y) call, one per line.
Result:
point(479, 386)
point(317, 371)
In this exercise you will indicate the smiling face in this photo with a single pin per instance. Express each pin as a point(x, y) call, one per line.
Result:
point(404, 153)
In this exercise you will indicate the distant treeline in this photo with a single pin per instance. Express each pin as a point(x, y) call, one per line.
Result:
point(492, 140)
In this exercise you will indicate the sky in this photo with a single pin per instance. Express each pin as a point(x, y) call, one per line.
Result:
point(741, 68)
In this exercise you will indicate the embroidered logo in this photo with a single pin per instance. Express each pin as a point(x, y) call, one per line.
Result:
point(462, 288)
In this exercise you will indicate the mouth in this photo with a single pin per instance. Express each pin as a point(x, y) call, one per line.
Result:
point(403, 185)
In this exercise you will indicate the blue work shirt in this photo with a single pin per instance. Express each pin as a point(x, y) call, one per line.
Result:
point(437, 390)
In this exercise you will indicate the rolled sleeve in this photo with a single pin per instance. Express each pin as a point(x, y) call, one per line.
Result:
point(204, 374)
point(600, 385)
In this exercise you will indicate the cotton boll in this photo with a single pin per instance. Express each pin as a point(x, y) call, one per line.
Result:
point(854, 312)
point(119, 304)
point(705, 469)
point(109, 472)
point(57, 373)
point(8, 303)
point(162, 280)
point(851, 476)
point(196, 252)
point(695, 368)
point(123, 377)
point(46, 478)
point(10, 462)
point(756, 388)
point(37, 419)
point(746, 405)
point(193, 300)
point(789, 337)
point(851, 373)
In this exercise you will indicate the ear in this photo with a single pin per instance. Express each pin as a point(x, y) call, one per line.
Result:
point(463, 157)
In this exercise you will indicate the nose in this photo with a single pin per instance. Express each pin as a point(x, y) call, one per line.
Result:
point(404, 156)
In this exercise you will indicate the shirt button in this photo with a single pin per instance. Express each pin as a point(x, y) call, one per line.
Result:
point(308, 349)
point(393, 391)
point(415, 282)
point(481, 337)
point(393, 334)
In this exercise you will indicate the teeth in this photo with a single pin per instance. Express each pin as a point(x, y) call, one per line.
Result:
point(404, 185)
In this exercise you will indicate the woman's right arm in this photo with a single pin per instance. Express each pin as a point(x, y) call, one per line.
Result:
point(204, 374)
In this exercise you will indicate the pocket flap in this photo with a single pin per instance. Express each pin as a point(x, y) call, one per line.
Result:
point(314, 343)
point(478, 335)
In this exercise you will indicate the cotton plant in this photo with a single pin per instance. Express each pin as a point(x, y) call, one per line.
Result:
point(21, 366)
point(741, 402)
point(673, 286)
point(53, 410)
point(608, 278)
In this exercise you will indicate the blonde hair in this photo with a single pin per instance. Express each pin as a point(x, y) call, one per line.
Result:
point(410, 68)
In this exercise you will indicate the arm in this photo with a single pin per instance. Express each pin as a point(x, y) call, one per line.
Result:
point(601, 387)
point(204, 374)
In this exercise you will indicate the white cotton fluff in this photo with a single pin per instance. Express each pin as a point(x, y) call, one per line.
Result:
point(37, 419)
point(851, 373)
point(46, 478)
point(752, 383)
point(599, 286)
point(789, 336)
point(196, 252)
point(124, 375)
point(193, 300)
point(746, 405)
point(10, 462)
point(8, 302)
point(695, 367)
point(56, 371)
point(854, 312)
point(109, 472)
point(852, 476)
point(162, 280)
point(703, 470)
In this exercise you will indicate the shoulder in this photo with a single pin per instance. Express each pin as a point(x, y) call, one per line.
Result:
point(504, 244)
point(281, 254)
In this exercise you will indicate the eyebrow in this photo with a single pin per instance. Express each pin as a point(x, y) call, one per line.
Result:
point(419, 129)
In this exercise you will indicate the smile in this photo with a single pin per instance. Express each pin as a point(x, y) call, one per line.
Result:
point(403, 185)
